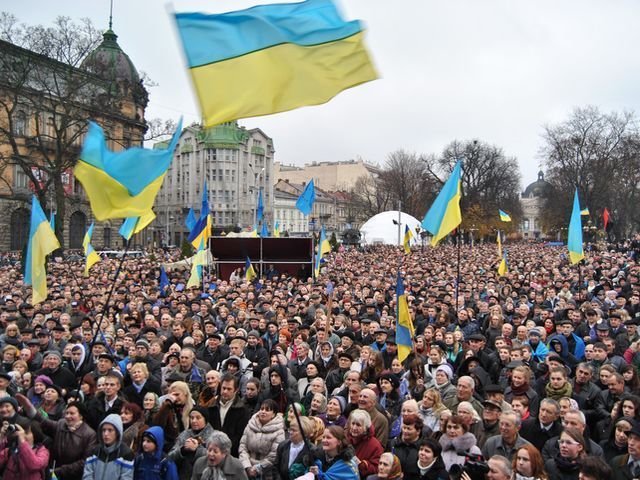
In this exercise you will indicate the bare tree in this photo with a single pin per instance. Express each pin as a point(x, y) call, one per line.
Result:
point(597, 153)
point(368, 198)
point(405, 179)
point(490, 181)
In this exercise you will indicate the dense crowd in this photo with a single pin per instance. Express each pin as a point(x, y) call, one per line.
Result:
point(531, 375)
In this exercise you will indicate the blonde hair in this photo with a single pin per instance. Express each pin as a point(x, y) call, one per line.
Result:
point(183, 388)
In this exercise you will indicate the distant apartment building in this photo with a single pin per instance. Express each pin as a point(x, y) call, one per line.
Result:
point(329, 176)
point(237, 163)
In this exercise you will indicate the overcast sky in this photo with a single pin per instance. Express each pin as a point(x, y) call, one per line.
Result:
point(496, 70)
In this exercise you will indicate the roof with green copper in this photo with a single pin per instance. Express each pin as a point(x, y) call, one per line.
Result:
point(225, 135)
point(109, 61)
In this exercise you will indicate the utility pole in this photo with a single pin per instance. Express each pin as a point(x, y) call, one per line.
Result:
point(399, 222)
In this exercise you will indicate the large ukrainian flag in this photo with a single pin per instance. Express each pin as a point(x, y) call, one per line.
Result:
point(272, 58)
point(121, 184)
point(42, 241)
point(444, 215)
point(404, 325)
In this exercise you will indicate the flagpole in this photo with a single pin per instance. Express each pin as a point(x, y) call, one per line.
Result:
point(399, 221)
point(459, 236)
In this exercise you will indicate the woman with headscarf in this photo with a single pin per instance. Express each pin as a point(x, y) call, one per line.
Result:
point(326, 358)
point(334, 415)
point(53, 403)
point(150, 406)
point(616, 444)
point(389, 468)
point(260, 440)
point(190, 445)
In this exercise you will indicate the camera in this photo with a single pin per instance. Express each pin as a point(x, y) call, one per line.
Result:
point(11, 429)
point(474, 466)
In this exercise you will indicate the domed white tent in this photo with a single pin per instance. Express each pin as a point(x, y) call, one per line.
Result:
point(381, 229)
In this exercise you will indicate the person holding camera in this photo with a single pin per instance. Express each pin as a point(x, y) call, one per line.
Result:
point(23, 455)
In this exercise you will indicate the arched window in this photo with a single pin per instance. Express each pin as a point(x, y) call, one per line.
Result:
point(77, 227)
point(19, 228)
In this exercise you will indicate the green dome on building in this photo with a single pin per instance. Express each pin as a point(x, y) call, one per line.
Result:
point(110, 62)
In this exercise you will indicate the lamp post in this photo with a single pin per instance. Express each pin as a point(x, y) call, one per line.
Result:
point(256, 178)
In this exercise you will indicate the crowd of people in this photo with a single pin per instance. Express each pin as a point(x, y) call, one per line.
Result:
point(528, 376)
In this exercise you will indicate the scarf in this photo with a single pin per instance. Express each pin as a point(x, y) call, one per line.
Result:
point(521, 390)
point(213, 473)
point(557, 393)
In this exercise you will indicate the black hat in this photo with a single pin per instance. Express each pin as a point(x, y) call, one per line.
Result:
point(635, 430)
point(557, 358)
point(391, 377)
point(215, 335)
point(478, 337)
point(5, 375)
point(603, 327)
point(106, 356)
point(58, 328)
point(493, 389)
point(391, 339)
point(43, 332)
point(346, 355)
point(380, 330)
point(174, 377)
point(514, 364)
point(492, 404)
point(202, 411)
point(349, 334)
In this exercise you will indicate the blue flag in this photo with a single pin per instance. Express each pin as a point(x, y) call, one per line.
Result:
point(164, 282)
point(52, 221)
point(260, 209)
point(191, 220)
point(202, 229)
point(306, 199)
point(264, 232)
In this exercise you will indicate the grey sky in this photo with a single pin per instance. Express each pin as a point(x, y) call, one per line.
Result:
point(497, 70)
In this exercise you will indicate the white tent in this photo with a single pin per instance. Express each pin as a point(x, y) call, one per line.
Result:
point(381, 229)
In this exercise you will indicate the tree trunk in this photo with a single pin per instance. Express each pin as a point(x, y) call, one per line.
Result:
point(61, 208)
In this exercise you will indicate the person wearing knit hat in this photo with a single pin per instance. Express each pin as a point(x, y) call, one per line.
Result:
point(335, 412)
point(388, 385)
point(443, 375)
point(191, 444)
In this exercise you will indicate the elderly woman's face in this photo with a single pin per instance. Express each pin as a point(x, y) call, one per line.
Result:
point(215, 456)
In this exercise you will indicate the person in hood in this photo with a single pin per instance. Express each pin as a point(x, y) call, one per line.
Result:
point(111, 460)
point(151, 463)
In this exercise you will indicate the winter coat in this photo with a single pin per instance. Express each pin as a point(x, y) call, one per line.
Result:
point(231, 468)
point(259, 444)
point(28, 463)
point(235, 421)
point(437, 471)
point(154, 466)
point(368, 450)
point(407, 453)
point(282, 471)
point(451, 447)
point(559, 469)
point(131, 394)
point(110, 463)
point(185, 459)
point(69, 448)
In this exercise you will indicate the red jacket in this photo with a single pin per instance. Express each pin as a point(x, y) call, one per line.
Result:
point(28, 464)
point(368, 450)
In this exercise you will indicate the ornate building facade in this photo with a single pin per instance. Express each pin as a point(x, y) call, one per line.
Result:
point(45, 106)
point(532, 203)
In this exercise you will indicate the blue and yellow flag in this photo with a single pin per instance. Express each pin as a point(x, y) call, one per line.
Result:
point(276, 230)
point(133, 225)
point(52, 221)
point(260, 208)
point(404, 325)
point(504, 216)
point(324, 247)
point(504, 266)
point(264, 231)
point(584, 212)
point(90, 254)
point(576, 252)
point(407, 239)
point(271, 58)
point(444, 215)
point(42, 241)
point(306, 198)
point(121, 184)
point(163, 282)
point(202, 229)
point(199, 260)
point(254, 231)
point(249, 271)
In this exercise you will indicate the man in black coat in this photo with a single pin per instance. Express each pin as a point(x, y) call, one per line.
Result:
point(256, 353)
point(298, 367)
point(107, 402)
point(538, 430)
point(229, 414)
point(59, 375)
point(214, 353)
point(587, 393)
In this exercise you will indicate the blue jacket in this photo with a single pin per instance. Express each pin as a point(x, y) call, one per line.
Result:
point(153, 466)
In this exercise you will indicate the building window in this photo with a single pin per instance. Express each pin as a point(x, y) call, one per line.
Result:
point(20, 124)
point(20, 179)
